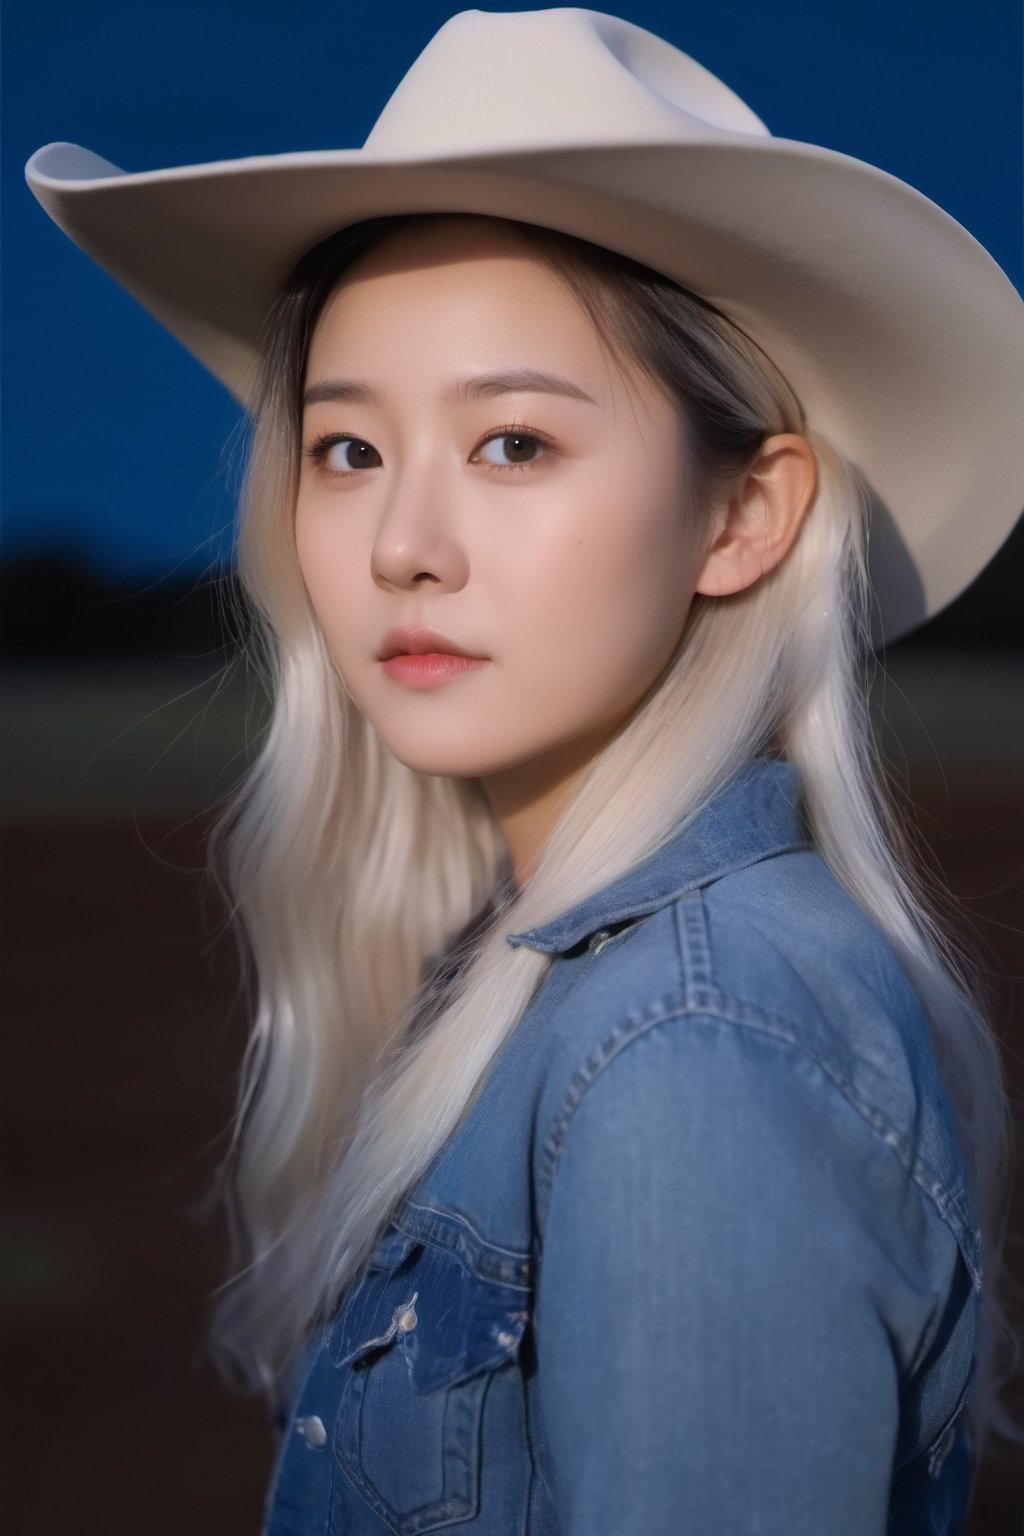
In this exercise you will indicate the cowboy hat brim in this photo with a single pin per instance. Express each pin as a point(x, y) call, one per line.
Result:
point(902, 337)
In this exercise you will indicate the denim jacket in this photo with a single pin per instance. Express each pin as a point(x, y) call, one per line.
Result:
point(699, 1260)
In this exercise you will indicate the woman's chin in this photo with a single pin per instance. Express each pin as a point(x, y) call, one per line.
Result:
point(454, 760)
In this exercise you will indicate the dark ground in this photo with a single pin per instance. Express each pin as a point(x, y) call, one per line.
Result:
point(122, 1034)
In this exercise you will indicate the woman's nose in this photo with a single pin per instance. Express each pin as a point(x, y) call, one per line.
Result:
point(417, 538)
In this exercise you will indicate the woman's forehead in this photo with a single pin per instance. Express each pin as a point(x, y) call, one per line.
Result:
point(469, 296)
point(464, 264)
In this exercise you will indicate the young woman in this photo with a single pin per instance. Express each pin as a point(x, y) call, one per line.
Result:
point(620, 1145)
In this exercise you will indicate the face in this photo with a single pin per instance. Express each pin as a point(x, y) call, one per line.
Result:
point(474, 462)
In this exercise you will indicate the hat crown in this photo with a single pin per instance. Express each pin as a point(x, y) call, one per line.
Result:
point(491, 81)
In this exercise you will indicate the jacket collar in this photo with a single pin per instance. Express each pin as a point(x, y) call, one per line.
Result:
point(755, 815)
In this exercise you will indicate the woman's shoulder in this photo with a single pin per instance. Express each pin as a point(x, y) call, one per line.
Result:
point(772, 974)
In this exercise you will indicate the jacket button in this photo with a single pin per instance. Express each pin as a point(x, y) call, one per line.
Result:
point(599, 940)
point(408, 1319)
point(313, 1430)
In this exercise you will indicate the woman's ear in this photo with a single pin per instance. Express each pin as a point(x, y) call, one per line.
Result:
point(762, 517)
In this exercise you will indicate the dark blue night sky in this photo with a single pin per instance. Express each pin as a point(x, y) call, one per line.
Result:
point(116, 443)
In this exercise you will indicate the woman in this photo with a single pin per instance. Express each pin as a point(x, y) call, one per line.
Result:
point(619, 1145)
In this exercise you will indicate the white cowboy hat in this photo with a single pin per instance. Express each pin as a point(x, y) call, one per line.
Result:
point(900, 334)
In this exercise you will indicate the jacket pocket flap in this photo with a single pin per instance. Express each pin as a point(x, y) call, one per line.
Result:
point(447, 1322)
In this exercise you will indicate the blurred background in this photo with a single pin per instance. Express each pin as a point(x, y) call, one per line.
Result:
point(128, 714)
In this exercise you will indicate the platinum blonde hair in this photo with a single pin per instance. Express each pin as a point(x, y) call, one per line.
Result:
point(349, 873)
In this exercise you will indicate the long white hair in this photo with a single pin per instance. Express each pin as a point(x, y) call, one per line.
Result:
point(348, 872)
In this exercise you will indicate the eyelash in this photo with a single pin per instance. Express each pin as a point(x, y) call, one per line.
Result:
point(321, 446)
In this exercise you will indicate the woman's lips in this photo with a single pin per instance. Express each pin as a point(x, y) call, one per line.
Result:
point(430, 669)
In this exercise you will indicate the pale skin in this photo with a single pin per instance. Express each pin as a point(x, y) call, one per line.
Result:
point(572, 572)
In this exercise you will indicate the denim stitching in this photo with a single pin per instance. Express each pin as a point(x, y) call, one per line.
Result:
point(695, 945)
point(706, 1002)
point(446, 1214)
point(454, 1234)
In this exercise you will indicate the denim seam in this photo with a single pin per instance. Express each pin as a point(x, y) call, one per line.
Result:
point(446, 1231)
point(694, 944)
point(946, 1200)
point(702, 1001)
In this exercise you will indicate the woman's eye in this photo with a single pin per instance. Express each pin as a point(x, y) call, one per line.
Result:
point(351, 453)
point(511, 450)
point(341, 455)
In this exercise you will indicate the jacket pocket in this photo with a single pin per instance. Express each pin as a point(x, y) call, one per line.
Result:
point(408, 1430)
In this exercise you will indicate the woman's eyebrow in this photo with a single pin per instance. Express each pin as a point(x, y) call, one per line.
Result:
point(483, 386)
point(516, 381)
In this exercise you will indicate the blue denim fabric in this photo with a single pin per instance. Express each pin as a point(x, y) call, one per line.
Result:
point(700, 1258)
